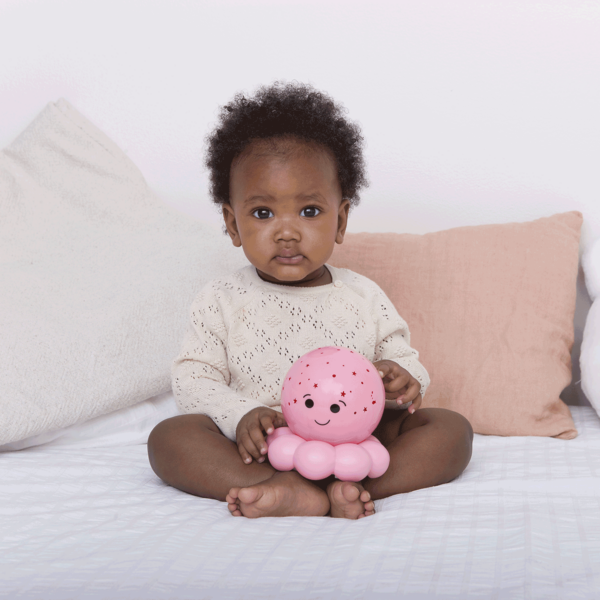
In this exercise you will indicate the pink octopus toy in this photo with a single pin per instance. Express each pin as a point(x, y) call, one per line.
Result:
point(332, 399)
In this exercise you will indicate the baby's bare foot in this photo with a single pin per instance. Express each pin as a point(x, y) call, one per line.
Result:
point(285, 494)
point(349, 500)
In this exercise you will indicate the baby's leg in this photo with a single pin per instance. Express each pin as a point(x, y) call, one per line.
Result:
point(190, 453)
point(427, 448)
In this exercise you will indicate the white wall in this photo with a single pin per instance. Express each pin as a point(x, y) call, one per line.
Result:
point(474, 111)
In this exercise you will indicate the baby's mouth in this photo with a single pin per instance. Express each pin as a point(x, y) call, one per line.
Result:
point(317, 422)
point(289, 260)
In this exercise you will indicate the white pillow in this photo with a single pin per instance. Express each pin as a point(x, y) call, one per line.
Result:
point(97, 277)
point(590, 346)
point(125, 427)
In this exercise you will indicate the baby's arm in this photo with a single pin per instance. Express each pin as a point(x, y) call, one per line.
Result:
point(404, 377)
point(200, 373)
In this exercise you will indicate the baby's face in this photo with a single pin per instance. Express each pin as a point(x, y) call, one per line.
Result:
point(286, 211)
point(333, 395)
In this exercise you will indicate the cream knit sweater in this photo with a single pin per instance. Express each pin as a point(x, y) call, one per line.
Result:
point(246, 333)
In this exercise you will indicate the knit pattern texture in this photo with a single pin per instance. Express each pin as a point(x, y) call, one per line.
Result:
point(245, 334)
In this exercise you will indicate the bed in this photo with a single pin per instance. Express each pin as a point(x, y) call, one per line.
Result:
point(523, 521)
point(84, 516)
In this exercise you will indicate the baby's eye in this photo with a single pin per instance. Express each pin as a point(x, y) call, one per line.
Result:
point(310, 211)
point(262, 213)
point(309, 403)
point(334, 408)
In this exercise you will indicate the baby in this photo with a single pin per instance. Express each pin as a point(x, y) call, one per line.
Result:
point(286, 166)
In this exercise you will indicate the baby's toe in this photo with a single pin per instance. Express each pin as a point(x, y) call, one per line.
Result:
point(233, 502)
point(232, 496)
point(350, 492)
point(233, 508)
point(249, 495)
point(365, 496)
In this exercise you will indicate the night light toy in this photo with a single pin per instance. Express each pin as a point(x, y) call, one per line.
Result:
point(332, 399)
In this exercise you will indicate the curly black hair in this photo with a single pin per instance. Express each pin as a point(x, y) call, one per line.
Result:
point(293, 110)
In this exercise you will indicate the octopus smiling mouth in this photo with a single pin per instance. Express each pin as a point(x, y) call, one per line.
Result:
point(317, 422)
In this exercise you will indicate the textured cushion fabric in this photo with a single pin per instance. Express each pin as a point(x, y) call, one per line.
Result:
point(490, 309)
point(590, 346)
point(97, 277)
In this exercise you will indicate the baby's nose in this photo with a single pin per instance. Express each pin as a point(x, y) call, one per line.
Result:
point(288, 231)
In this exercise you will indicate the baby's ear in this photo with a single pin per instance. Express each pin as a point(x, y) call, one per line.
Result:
point(343, 211)
point(231, 225)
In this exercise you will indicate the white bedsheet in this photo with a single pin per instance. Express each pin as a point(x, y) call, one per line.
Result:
point(523, 521)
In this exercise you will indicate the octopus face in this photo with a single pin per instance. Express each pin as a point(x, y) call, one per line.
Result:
point(334, 395)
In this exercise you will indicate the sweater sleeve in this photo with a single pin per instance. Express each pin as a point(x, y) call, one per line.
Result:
point(393, 339)
point(200, 374)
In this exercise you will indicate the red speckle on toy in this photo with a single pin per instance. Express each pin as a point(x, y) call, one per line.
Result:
point(325, 436)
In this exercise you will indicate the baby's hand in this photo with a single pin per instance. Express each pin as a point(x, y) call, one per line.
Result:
point(399, 384)
point(249, 433)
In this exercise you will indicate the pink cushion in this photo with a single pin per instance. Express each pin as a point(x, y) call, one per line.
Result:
point(490, 309)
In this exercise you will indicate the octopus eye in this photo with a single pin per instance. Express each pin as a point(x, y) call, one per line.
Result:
point(309, 403)
point(334, 408)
